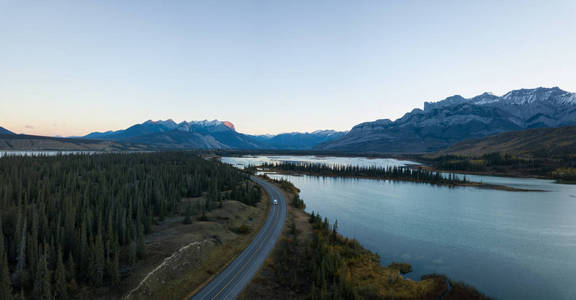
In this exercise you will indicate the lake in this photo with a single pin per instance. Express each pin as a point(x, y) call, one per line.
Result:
point(509, 245)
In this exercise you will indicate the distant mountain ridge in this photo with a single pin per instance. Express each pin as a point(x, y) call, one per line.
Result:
point(23, 142)
point(5, 131)
point(210, 135)
point(441, 124)
point(150, 127)
point(298, 140)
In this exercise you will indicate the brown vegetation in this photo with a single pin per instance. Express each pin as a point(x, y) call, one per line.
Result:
point(313, 261)
point(215, 243)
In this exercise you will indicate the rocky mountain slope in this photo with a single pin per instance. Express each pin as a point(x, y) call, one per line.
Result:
point(194, 134)
point(5, 131)
point(456, 118)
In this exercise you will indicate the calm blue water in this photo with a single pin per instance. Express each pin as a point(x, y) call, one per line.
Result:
point(510, 245)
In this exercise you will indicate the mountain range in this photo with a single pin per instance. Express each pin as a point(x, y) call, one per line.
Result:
point(436, 127)
point(444, 123)
point(211, 135)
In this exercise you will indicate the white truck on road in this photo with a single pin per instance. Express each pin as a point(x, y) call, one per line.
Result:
point(275, 202)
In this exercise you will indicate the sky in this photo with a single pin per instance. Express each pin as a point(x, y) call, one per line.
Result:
point(72, 67)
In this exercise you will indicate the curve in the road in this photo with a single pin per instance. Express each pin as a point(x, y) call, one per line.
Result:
point(232, 280)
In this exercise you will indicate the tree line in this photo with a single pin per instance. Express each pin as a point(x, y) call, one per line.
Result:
point(69, 221)
point(483, 162)
point(390, 173)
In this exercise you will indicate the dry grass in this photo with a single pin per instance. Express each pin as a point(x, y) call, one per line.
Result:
point(181, 258)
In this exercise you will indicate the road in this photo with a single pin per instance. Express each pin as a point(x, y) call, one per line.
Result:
point(232, 280)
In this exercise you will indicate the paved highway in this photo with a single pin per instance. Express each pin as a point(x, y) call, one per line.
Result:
point(232, 280)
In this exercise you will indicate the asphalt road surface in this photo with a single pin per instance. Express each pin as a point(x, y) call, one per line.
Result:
point(232, 280)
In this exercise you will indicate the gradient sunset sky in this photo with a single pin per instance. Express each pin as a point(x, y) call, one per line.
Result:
point(72, 67)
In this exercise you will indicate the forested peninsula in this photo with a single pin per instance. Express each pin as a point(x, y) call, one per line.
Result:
point(395, 173)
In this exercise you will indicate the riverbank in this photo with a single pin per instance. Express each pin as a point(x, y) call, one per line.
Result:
point(313, 261)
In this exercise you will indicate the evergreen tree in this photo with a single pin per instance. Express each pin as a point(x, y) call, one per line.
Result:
point(203, 217)
point(188, 217)
point(20, 276)
point(112, 269)
point(132, 257)
point(42, 282)
point(71, 274)
point(5, 282)
point(140, 245)
point(60, 280)
point(292, 228)
point(92, 207)
point(334, 236)
point(98, 262)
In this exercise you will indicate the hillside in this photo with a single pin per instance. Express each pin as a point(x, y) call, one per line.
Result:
point(18, 142)
point(541, 142)
point(454, 119)
point(542, 152)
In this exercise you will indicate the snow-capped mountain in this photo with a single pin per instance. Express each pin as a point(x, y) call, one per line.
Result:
point(192, 134)
point(546, 96)
point(150, 127)
point(297, 140)
point(441, 124)
point(211, 135)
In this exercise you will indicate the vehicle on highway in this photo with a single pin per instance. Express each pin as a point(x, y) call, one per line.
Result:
point(230, 282)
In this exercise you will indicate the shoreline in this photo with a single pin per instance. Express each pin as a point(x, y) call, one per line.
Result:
point(482, 173)
point(419, 163)
point(468, 184)
point(287, 275)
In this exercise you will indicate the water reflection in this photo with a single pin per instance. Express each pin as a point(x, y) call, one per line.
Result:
point(511, 245)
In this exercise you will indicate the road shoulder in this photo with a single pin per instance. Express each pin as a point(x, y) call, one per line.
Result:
point(214, 244)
